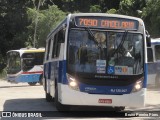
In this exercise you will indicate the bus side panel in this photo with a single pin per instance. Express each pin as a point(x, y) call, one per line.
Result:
point(28, 78)
point(152, 68)
point(54, 71)
point(53, 77)
point(145, 75)
point(47, 73)
point(47, 70)
point(62, 72)
point(153, 71)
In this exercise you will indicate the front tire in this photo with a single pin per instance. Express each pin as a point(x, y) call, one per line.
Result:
point(48, 97)
point(32, 83)
point(60, 107)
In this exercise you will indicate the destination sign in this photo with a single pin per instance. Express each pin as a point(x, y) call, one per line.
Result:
point(106, 22)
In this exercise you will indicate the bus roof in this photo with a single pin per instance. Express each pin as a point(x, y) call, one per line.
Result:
point(95, 14)
point(106, 15)
point(31, 50)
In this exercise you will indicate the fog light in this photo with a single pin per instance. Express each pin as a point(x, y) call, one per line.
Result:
point(72, 82)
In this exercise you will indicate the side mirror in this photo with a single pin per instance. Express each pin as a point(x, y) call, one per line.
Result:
point(148, 39)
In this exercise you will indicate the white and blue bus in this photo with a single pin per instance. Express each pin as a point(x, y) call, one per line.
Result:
point(25, 65)
point(96, 59)
point(154, 63)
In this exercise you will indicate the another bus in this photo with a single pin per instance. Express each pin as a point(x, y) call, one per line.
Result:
point(96, 59)
point(154, 63)
point(25, 65)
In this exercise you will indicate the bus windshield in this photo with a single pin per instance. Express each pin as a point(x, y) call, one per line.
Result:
point(13, 62)
point(32, 59)
point(105, 52)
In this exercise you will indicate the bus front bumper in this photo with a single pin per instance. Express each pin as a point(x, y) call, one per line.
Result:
point(72, 97)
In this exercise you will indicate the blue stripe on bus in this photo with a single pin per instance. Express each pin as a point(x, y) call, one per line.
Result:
point(92, 89)
point(56, 70)
point(28, 78)
point(47, 70)
point(145, 75)
point(25, 78)
point(155, 43)
point(62, 72)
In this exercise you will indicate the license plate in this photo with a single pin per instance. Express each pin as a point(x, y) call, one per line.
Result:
point(106, 101)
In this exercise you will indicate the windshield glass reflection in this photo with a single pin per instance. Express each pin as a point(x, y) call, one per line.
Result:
point(107, 53)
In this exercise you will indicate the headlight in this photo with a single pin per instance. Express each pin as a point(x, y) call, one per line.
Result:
point(138, 85)
point(72, 82)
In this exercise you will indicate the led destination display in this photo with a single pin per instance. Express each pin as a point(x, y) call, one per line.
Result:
point(106, 22)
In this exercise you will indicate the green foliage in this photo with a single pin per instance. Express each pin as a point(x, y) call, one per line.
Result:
point(3, 73)
point(95, 8)
point(18, 18)
point(131, 7)
point(13, 22)
point(84, 5)
point(151, 16)
point(47, 20)
point(112, 11)
point(2, 63)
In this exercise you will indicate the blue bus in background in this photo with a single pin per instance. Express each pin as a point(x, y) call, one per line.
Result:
point(25, 65)
point(154, 62)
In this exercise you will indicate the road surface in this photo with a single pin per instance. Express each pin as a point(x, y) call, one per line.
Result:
point(22, 97)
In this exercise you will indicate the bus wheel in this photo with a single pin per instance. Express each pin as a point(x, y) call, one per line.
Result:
point(157, 81)
point(48, 97)
point(119, 108)
point(58, 105)
point(32, 83)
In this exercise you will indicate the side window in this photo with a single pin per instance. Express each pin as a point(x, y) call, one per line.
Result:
point(58, 39)
point(150, 54)
point(54, 46)
point(157, 52)
point(48, 49)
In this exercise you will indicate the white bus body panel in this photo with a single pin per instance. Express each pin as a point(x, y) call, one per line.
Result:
point(73, 97)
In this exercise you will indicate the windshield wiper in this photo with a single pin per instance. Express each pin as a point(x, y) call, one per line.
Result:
point(99, 45)
point(94, 39)
point(121, 43)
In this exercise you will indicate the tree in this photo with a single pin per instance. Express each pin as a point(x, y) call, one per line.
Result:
point(85, 5)
point(47, 20)
point(131, 7)
point(151, 16)
point(95, 8)
point(13, 22)
point(112, 11)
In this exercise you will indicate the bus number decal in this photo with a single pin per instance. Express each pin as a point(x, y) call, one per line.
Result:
point(88, 22)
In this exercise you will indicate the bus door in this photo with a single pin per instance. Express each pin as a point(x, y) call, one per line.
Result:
point(153, 54)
